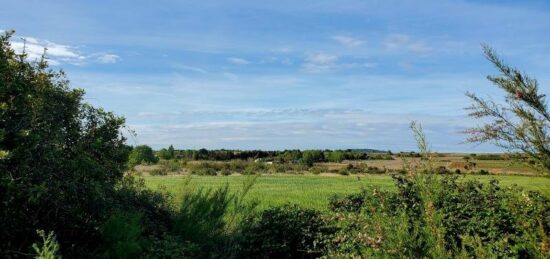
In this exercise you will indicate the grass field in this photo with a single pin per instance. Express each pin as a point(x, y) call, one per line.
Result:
point(311, 191)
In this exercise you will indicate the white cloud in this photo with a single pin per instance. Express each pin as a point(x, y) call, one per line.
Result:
point(401, 42)
point(108, 58)
point(190, 68)
point(320, 62)
point(55, 53)
point(277, 60)
point(238, 61)
point(348, 41)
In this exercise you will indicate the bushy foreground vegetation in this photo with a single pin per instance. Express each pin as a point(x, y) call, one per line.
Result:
point(421, 216)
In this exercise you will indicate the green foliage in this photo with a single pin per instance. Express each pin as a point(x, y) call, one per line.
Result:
point(284, 232)
point(61, 158)
point(170, 246)
point(48, 248)
point(200, 217)
point(336, 156)
point(121, 235)
point(142, 154)
point(167, 154)
point(442, 217)
point(522, 123)
point(311, 156)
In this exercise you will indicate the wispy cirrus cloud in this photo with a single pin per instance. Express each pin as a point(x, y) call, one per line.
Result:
point(348, 41)
point(191, 68)
point(238, 61)
point(108, 58)
point(402, 42)
point(320, 62)
point(323, 62)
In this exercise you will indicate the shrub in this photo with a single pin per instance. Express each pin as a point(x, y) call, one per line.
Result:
point(482, 172)
point(284, 232)
point(343, 171)
point(158, 171)
point(317, 169)
point(204, 168)
point(48, 248)
point(441, 217)
point(204, 171)
point(121, 235)
point(200, 218)
point(170, 246)
point(225, 172)
point(442, 170)
point(170, 166)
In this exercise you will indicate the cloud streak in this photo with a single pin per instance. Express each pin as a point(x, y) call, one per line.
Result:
point(401, 42)
point(348, 41)
point(238, 61)
point(57, 54)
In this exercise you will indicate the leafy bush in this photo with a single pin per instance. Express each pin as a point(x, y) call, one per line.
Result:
point(318, 169)
point(170, 246)
point(171, 166)
point(121, 235)
point(284, 232)
point(158, 171)
point(200, 218)
point(441, 217)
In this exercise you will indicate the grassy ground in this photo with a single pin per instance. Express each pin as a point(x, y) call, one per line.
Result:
point(311, 191)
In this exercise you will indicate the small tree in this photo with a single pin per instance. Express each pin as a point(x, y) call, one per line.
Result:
point(142, 154)
point(167, 154)
point(521, 124)
point(171, 152)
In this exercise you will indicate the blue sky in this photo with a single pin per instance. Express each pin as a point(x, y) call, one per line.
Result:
point(286, 74)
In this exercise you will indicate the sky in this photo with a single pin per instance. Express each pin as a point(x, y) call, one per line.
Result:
point(286, 74)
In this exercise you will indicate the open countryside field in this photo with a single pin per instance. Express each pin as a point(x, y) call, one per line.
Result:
point(309, 190)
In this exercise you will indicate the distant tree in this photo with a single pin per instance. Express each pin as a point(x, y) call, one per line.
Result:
point(167, 154)
point(311, 156)
point(291, 155)
point(163, 154)
point(142, 154)
point(171, 152)
point(335, 156)
point(521, 123)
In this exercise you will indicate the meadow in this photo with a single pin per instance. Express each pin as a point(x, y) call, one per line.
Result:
point(312, 191)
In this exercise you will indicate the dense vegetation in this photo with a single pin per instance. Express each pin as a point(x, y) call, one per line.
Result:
point(63, 191)
point(285, 156)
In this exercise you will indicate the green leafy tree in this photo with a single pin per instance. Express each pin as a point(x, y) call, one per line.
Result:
point(521, 123)
point(171, 152)
point(335, 156)
point(311, 156)
point(142, 154)
point(60, 158)
point(167, 154)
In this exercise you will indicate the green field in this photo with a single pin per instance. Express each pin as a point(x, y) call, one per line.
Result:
point(312, 191)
